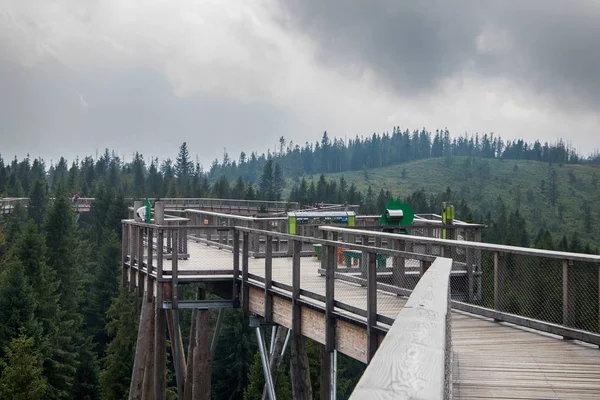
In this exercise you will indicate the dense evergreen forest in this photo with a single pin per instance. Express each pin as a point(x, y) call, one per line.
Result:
point(68, 331)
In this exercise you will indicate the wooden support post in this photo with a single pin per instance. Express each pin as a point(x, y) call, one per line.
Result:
point(297, 246)
point(236, 268)
point(363, 261)
point(245, 254)
point(160, 328)
point(399, 265)
point(124, 254)
point(478, 265)
point(325, 374)
point(372, 339)
point(299, 370)
point(498, 282)
point(179, 362)
point(268, 279)
point(175, 270)
point(329, 254)
point(147, 389)
point(202, 356)
point(134, 256)
point(331, 262)
point(150, 263)
point(189, 382)
point(256, 238)
point(568, 285)
point(140, 271)
point(141, 348)
point(184, 238)
point(470, 261)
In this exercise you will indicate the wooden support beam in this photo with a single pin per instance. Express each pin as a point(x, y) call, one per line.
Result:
point(178, 354)
point(147, 388)
point(299, 369)
point(245, 253)
point(365, 242)
point(268, 279)
point(134, 256)
point(498, 281)
point(331, 264)
point(174, 270)
point(140, 257)
point(141, 348)
point(568, 289)
point(149, 263)
point(325, 374)
point(236, 268)
point(160, 350)
point(124, 253)
point(398, 264)
point(189, 382)
point(202, 359)
point(470, 265)
point(372, 337)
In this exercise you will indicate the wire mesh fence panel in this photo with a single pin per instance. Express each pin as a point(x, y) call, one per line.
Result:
point(531, 287)
point(585, 313)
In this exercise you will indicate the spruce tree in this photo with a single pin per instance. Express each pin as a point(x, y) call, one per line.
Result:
point(38, 201)
point(22, 373)
point(118, 363)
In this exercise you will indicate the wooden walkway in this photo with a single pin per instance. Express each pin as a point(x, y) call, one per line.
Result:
point(491, 360)
point(503, 361)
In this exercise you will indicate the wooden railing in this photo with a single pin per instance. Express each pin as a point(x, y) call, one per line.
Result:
point(506, 271)
point(414, 359)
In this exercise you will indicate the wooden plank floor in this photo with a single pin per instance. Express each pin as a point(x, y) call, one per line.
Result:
point(502, 361)
point(491, 360)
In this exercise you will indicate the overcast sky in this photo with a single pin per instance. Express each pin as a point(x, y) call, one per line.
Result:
point(131, 75)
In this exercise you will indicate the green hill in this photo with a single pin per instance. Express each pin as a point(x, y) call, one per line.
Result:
point(560, 198)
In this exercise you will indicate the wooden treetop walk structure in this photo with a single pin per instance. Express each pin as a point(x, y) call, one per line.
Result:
point(432, 318)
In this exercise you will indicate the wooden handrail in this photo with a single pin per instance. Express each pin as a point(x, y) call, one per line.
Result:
point(411, 360)
point(472, 245)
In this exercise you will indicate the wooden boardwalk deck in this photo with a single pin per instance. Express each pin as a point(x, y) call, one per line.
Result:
point(491, 360)
point(502, 361)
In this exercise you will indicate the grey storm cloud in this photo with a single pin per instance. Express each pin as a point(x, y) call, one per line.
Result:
point(549, 46)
